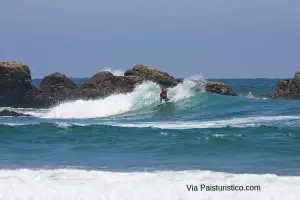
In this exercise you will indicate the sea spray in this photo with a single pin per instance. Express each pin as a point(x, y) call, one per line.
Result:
point(187, 88)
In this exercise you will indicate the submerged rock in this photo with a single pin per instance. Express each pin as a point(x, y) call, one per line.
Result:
point(8, 113)
point(289, 89)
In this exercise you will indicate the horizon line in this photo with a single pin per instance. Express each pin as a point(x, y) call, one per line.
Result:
point(282, 78)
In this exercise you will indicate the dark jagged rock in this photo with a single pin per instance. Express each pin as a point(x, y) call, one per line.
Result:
point(219, 88)
point(145, 73)
point(15, 81)
point(58, 86)
point(8, 113)
point(288, 89)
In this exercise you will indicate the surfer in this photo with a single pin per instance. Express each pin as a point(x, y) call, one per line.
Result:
point(164, 95)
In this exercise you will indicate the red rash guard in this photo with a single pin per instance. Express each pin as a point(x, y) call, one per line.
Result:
point(163, 94)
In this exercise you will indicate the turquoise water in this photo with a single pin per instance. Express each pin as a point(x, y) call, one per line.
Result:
point(208, 132)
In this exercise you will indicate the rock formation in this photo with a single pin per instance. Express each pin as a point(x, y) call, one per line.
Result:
point(58, 86)
point(289, 89)
point(219, 88)
point(16, 88)
point(145, 73)
point(15, 81)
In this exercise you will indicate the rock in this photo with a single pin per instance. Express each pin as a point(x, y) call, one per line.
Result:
point(58, 86)
point(219, 88)
point(36, 98)
point(102, 85)
point(15, 81)
point(99, 78)
point(289, 89)
point(282, 89)
point(145, 73)
point(8, 113)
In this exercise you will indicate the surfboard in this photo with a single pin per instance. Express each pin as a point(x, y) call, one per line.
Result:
point(165, 108)
point(162, 104)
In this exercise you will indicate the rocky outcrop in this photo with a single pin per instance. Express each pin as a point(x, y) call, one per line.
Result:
point(99, 78)
point(142, 73)
point(15, 81)
point(36, 98)
point(16, 88)
point(104, 84)
point(289, 89)
point(219, 88)
point(8, 113)
point(58, 86)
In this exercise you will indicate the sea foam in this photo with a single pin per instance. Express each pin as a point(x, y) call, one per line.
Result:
point(168, 185)
point(241, 122)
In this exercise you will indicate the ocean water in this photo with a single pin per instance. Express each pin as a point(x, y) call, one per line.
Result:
point(125, 147)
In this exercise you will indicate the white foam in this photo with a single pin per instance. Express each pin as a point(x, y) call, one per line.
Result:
point(74, 184)
point(187, 88)
point(63, 125)
point(235, 122)
point(20, 124)
point(112, 105)
point(37, 112)
point(250, 95)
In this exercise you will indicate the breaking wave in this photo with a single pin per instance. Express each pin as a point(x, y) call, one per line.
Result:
point(144, 96)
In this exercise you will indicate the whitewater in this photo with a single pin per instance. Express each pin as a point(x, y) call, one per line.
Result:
point(99, 185)
point(122, 147)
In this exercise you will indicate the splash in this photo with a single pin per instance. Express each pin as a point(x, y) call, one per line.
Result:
point(187, 88)
point(115, 72)
point(144, 96)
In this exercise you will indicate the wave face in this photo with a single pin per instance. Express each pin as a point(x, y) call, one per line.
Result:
point(104, 148)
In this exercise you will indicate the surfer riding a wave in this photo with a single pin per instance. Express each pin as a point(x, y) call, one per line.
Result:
point(164, 95)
